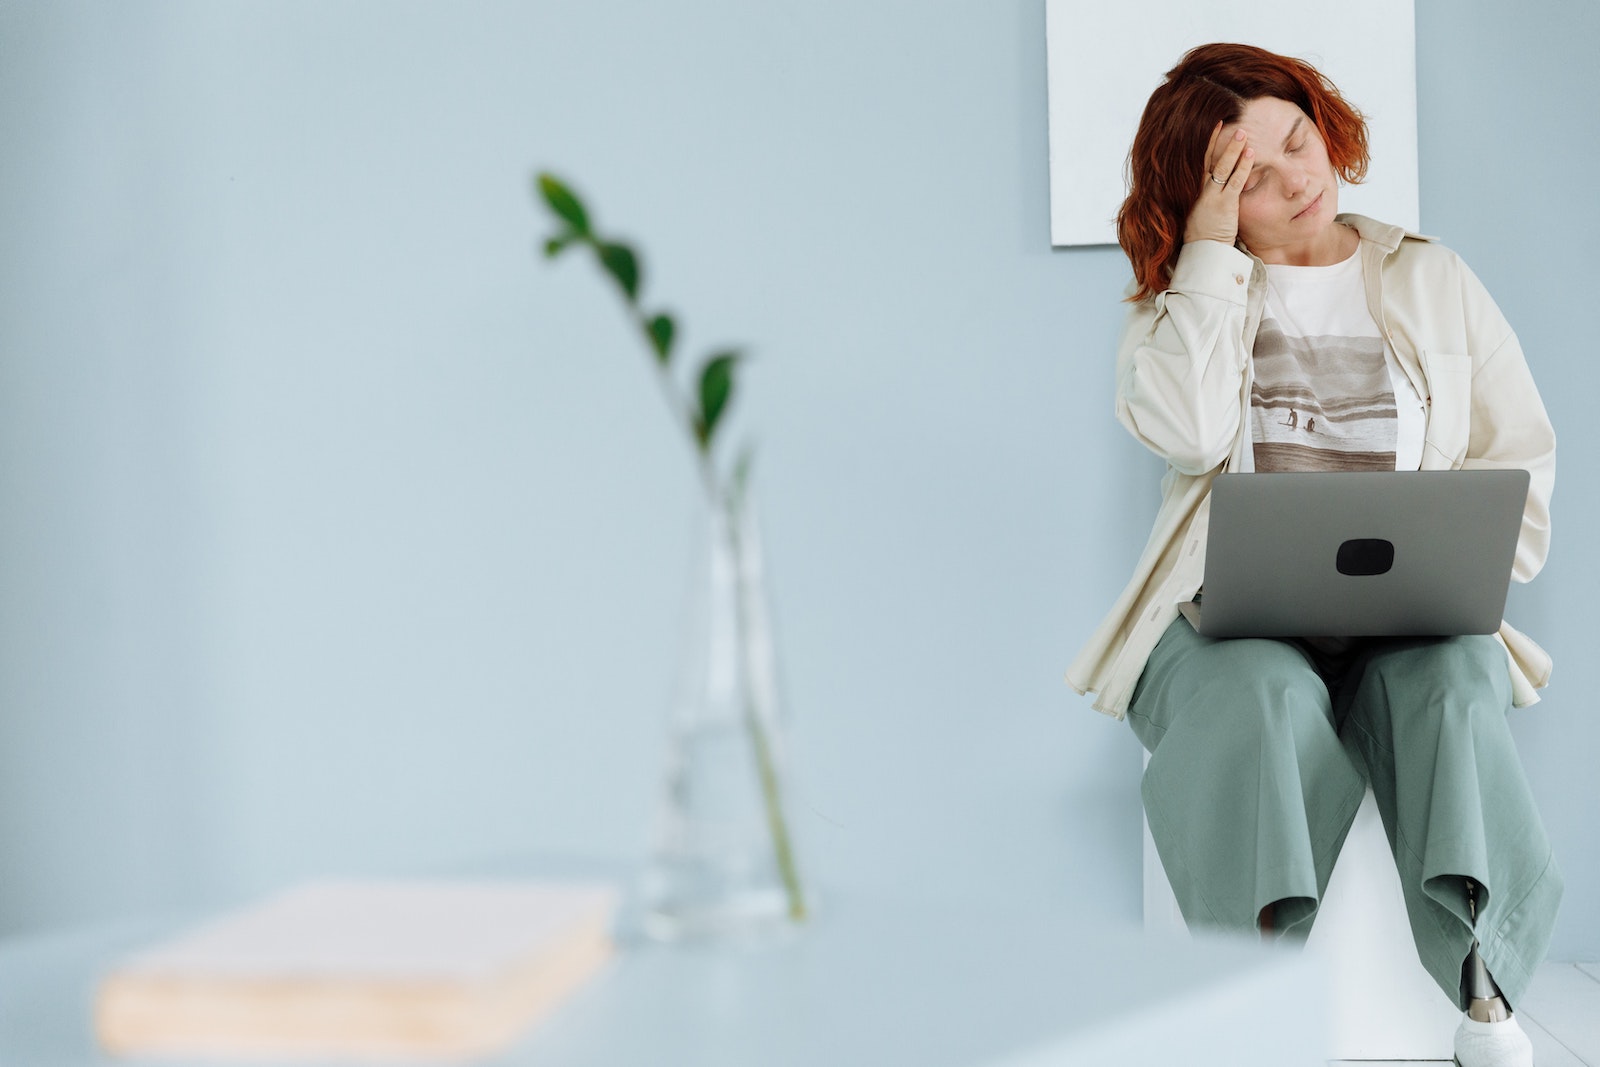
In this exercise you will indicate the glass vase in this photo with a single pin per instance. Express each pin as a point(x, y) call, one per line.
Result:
point(723, 864)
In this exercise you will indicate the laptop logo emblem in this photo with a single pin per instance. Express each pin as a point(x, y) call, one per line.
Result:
point(1365, 556)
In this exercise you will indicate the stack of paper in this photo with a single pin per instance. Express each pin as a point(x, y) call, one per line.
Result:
point(363, 969)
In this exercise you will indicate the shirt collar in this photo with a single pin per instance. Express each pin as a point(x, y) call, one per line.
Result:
point(1385, 235)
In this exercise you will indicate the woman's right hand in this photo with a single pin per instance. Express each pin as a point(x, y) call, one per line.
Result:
point(1215, 215)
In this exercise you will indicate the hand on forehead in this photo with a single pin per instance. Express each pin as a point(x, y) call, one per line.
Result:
point(1269, 123)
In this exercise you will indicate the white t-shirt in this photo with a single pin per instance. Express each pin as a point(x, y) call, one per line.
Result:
point(1329, 393)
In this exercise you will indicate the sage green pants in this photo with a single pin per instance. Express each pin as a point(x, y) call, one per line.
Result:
point(1262, 749)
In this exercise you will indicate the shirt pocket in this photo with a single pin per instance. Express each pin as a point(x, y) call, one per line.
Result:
point(1449, 408)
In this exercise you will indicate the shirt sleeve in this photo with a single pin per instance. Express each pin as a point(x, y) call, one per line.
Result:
point(1182, 358)
point(1510, 427)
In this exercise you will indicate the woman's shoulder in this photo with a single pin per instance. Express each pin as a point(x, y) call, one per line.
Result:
point(1405, 250)
point(1420, 272)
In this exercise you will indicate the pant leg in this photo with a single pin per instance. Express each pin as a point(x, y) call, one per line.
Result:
point(1427, 719)
point(1249, 791)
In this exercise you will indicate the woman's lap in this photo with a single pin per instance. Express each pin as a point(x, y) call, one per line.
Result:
point(1273, 746)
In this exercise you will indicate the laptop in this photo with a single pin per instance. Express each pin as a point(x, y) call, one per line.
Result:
point(1359, 554)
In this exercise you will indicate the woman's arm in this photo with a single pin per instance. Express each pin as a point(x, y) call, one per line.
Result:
point(1182, 358)
point(1510, 427)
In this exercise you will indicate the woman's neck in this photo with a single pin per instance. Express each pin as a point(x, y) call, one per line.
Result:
point(1336, 243)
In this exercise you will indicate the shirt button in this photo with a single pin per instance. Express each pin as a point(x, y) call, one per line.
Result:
point(1238, 279)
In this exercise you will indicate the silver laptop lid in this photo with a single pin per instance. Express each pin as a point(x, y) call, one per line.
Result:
point(1358, 554)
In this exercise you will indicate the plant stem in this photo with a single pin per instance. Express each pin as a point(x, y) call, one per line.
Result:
point(729, 501)
point(676, 403)
point(732, 505)
point(766, 764)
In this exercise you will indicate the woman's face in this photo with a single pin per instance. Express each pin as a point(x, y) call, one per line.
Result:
point(1292, 193)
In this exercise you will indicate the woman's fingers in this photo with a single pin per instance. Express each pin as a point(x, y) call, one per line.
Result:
point(1211, 145)
point(1224, 164)
point(1241, 171)
point(1215, 215)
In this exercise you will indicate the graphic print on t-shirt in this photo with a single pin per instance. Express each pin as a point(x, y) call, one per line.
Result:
point(1346, 423)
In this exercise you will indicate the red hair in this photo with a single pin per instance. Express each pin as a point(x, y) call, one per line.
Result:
point(1166, 166)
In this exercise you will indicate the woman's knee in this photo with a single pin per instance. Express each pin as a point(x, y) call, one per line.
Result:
point(1454, 678)
point(1471, 663)
point(1473, 659)
point(1281, 700)
point(1246, 687)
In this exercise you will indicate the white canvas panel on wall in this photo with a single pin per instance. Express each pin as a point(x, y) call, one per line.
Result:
point(1106, 59)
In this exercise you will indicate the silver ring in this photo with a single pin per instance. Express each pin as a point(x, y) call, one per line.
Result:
point(1213, 177)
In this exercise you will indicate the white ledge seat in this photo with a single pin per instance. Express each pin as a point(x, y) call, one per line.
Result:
point(1382, 1004)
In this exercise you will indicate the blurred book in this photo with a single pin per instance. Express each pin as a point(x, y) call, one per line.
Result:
point(363, 970)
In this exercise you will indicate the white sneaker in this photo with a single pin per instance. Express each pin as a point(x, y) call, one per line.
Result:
point(1501, 1044)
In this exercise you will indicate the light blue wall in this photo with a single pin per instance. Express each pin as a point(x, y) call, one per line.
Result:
point(343, 533)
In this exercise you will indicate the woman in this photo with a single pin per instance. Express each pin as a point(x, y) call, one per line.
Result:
point(1269, 332)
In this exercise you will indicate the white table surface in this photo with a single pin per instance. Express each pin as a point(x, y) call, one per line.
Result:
point(873, 981)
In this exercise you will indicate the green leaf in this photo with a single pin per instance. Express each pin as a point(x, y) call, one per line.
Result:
point(661, 330)
point(557, 245)
point(623, 265)
point(716, 389)
point(564, 202)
